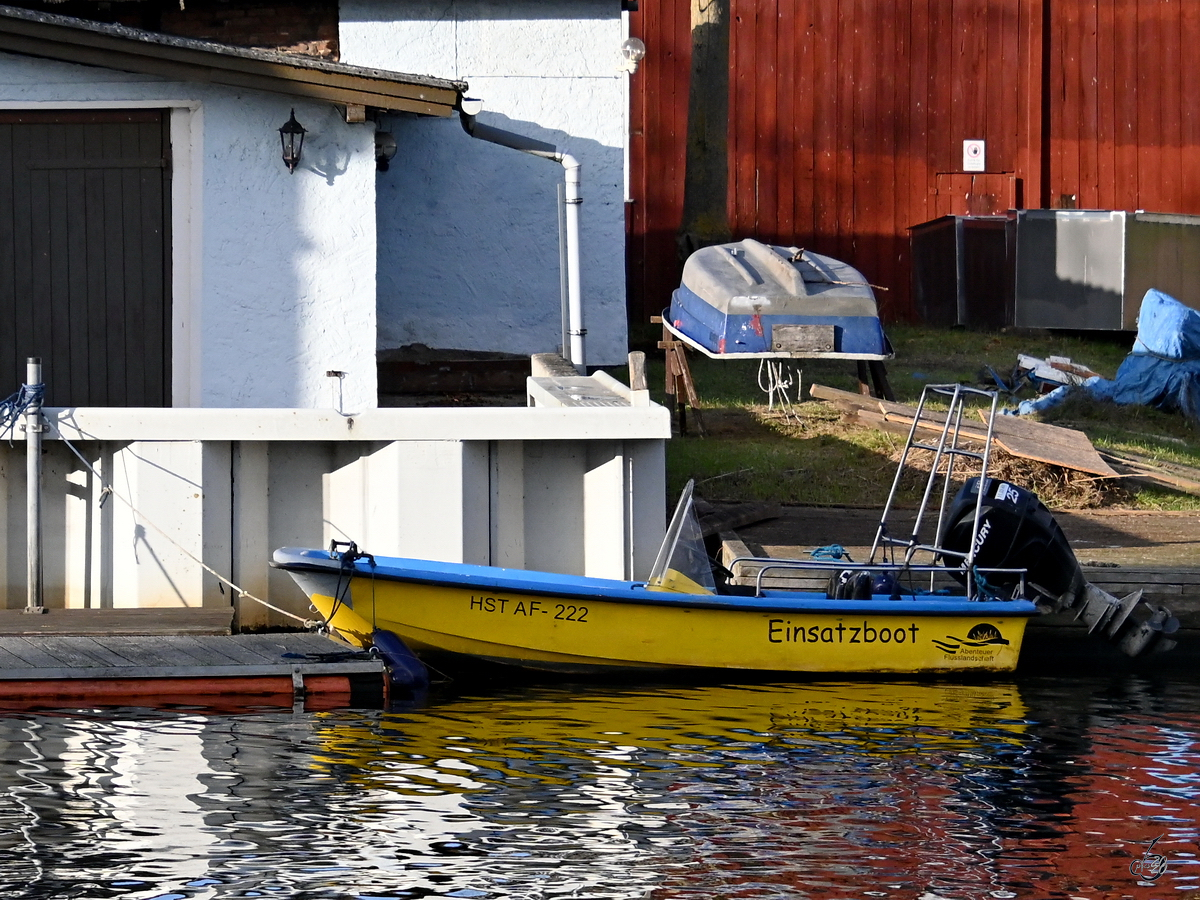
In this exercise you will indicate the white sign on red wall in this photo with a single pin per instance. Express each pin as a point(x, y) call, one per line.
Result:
point(974, 153)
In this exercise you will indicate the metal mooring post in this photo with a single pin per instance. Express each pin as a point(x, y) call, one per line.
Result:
point(33, 483)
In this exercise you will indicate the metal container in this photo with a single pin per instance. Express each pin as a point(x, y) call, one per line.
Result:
point(1089, 269)
point(962, 271)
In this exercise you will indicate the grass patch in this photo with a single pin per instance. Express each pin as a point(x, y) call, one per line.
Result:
point(815, 458)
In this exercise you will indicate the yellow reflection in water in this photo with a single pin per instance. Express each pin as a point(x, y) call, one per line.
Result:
point(460, 745)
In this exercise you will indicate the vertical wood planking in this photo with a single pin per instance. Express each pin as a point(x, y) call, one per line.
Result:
point(1106, 106)
point(1189, 130)
point(39, 297)
point(786, 46)
point(825, 105)
point(860, 228)
point(804, 135)
point(1030, 101)
point(97, 262)
point(8, 292)
point(767, 125)
point(917, 172)
point(153, 141)
point(940, 94)
point(742, 101)
point(76, 299)
point(888, 116)
point(1089, 118)
point(1002, 117)
point(1068, 131)
point(845, 111)
point(636, 268)
point(848, 48)
point(1149, 132)
point(1170, 63)
point(1125, 67)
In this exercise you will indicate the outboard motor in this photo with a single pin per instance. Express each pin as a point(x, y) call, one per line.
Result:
point(1016, 531)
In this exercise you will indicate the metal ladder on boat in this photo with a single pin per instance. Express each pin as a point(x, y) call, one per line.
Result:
point(947, 449)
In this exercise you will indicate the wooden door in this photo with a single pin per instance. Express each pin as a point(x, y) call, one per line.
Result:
point(85, 255)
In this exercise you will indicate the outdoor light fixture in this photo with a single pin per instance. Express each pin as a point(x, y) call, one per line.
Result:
point(385, 149)
point(291, 137)
point(633, 51)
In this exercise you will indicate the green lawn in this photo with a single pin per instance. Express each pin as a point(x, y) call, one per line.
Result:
point(812, 457)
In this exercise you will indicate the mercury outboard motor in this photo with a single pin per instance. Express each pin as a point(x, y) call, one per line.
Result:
point(1016, 531)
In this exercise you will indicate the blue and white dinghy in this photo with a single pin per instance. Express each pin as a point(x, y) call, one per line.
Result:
point(756, 300)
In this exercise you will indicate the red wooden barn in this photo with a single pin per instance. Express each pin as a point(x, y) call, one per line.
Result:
point(847, 120)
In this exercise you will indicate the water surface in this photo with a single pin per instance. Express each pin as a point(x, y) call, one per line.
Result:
point(1035, 788)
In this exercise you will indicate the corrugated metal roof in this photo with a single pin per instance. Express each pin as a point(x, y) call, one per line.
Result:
point(146, 52)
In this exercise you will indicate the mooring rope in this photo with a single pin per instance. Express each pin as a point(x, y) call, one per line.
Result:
point(14, 407)
point(107, 489)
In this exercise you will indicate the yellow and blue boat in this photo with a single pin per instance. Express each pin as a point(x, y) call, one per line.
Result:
point(869, 620)
point(576, 624)
point(999, 559)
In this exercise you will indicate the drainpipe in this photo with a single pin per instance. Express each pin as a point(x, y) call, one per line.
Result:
point(576, 331)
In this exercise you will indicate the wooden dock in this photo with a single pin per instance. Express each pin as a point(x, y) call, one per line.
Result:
point(176, 657)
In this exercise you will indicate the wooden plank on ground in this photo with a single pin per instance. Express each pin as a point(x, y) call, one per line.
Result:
point(1153, 472)
point(1023, 438)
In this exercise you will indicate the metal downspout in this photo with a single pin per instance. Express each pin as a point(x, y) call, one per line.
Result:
point(576, 353)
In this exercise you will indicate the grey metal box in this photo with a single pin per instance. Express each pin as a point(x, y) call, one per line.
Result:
point(1089, 269)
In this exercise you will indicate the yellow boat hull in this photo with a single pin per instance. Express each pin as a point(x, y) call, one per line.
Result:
point(573, 635)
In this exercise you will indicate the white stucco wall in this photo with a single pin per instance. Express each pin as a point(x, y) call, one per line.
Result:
point(273, 274)
point(468, 231)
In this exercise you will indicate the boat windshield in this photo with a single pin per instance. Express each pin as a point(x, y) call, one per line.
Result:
point(683, 565)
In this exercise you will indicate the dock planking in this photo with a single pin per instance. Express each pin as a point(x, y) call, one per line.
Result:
point(144, 657)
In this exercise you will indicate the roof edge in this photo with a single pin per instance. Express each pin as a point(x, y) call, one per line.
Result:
point(145, 52)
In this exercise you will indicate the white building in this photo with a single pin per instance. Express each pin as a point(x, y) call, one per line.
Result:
point(158, 253)
point(551, 70)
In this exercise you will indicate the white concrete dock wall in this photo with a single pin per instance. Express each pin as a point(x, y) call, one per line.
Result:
point(579, 491)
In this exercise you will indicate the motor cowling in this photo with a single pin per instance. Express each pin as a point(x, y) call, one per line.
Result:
point(1016, 531)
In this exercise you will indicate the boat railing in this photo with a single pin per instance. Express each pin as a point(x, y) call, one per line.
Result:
point(947, 449)
point(976, 578)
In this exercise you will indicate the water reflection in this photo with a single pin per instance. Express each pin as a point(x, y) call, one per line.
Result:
point(919, 790)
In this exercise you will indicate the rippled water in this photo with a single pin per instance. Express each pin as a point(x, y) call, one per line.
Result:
point(832, 790)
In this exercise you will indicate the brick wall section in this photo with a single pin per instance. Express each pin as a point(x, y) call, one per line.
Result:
point(297, 26)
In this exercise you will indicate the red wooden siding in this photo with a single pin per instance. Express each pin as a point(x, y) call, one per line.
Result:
point(847, 118)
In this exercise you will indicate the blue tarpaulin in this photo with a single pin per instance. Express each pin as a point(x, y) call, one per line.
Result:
point(1162, 370)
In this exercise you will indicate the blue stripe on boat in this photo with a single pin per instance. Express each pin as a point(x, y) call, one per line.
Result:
point(493, 579)
point(706, 325)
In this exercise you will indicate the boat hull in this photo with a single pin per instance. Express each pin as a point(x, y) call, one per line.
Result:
point(587, 631)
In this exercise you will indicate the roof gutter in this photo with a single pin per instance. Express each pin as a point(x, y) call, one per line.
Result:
point(576, 351)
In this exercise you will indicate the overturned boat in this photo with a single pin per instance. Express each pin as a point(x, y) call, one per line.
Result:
point(759, 300)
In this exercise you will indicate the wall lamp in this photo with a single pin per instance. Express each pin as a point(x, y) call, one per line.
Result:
point(633, 51)
point(291, 138)
point(385, 149)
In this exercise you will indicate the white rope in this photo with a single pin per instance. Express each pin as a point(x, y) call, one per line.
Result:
point(108, 490)
point(778, 383)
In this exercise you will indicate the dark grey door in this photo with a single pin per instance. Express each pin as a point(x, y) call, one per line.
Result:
point(85, 254)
